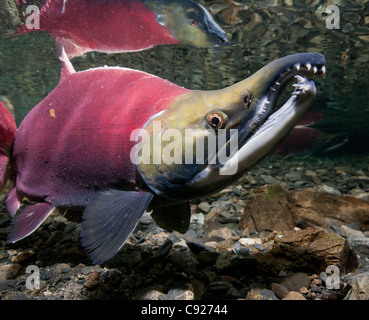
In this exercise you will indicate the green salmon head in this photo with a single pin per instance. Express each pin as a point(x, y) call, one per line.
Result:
point(205, 140)
point(189, 22)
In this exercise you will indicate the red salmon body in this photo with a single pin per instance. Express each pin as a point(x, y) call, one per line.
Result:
point(80, 134)
point(110, 26)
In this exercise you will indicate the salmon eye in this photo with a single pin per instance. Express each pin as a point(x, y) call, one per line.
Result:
point(215, 120)
point(247, 100)
point(193, 22)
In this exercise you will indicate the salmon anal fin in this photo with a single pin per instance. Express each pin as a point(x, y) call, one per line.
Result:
point(28, 220)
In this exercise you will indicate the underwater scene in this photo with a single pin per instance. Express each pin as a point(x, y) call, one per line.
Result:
point(107, 190)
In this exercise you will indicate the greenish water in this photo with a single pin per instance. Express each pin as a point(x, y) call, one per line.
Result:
point(261, 32)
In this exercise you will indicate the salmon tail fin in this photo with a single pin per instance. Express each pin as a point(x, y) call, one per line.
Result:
point(8, 130)
point(67, 67)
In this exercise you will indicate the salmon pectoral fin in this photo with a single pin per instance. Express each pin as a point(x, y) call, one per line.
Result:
point(28, 220)
point(109, 220)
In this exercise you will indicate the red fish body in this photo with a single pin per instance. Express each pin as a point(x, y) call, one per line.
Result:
point(8, 130)
point(112, 26)
point(89, 147)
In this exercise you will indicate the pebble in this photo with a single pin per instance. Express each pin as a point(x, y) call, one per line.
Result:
point(178, 294)
point(346, 231)
point(293, 295)
point(24, 255)
point(329, 189)
point(280, 290)
point(93, 280)
point(296, 281)
point(9, 271)
point(204, 207)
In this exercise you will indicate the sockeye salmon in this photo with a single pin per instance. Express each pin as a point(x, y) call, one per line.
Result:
point(95, 140)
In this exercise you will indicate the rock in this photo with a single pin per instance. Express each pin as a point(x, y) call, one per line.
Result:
point(237, 248)
point(360, 245)
point(93, 280)
point(346, 231)
point(207, 257)
point(9, 271)
point(229, 262)
point(293, 295)
point(151, 295)
point(316, 289)
point(178, 294)
point(204, 207)
point(329, 189)
point(233, 293)
point(197, 247)
point(268, 294)
point(279, 290)
point(296, 281)
point(24, 255)
point(250, 241)
point(185, 261)
point(267, 209)
point(273, 209)
point(224, 233)
point(306, 250)
point(254, 295)
point(359, 287)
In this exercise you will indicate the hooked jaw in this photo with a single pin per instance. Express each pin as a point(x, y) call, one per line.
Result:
point(266, 123)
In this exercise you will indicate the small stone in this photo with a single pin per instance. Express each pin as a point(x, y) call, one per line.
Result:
point(360, 245)
point(151, 295)
point(224, 233)
point(296, 281)
point(360, 287)
point(197, 247)
point(254, 295)
point(12, 252)
point(304, 290)
point(268, 294)
point(9, 271)
point(93, 280)
point(329, 189)
point(315, 288)
point(233, 293)
point(178, 294)
point(204, 207)
point(208, 257)
point(346, 231)
point(293, 295)
point(310, 173)
point(279, 290)
point(250, 241)
point(24, 255)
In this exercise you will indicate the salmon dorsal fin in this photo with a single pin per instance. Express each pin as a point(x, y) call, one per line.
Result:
point(67, 67)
